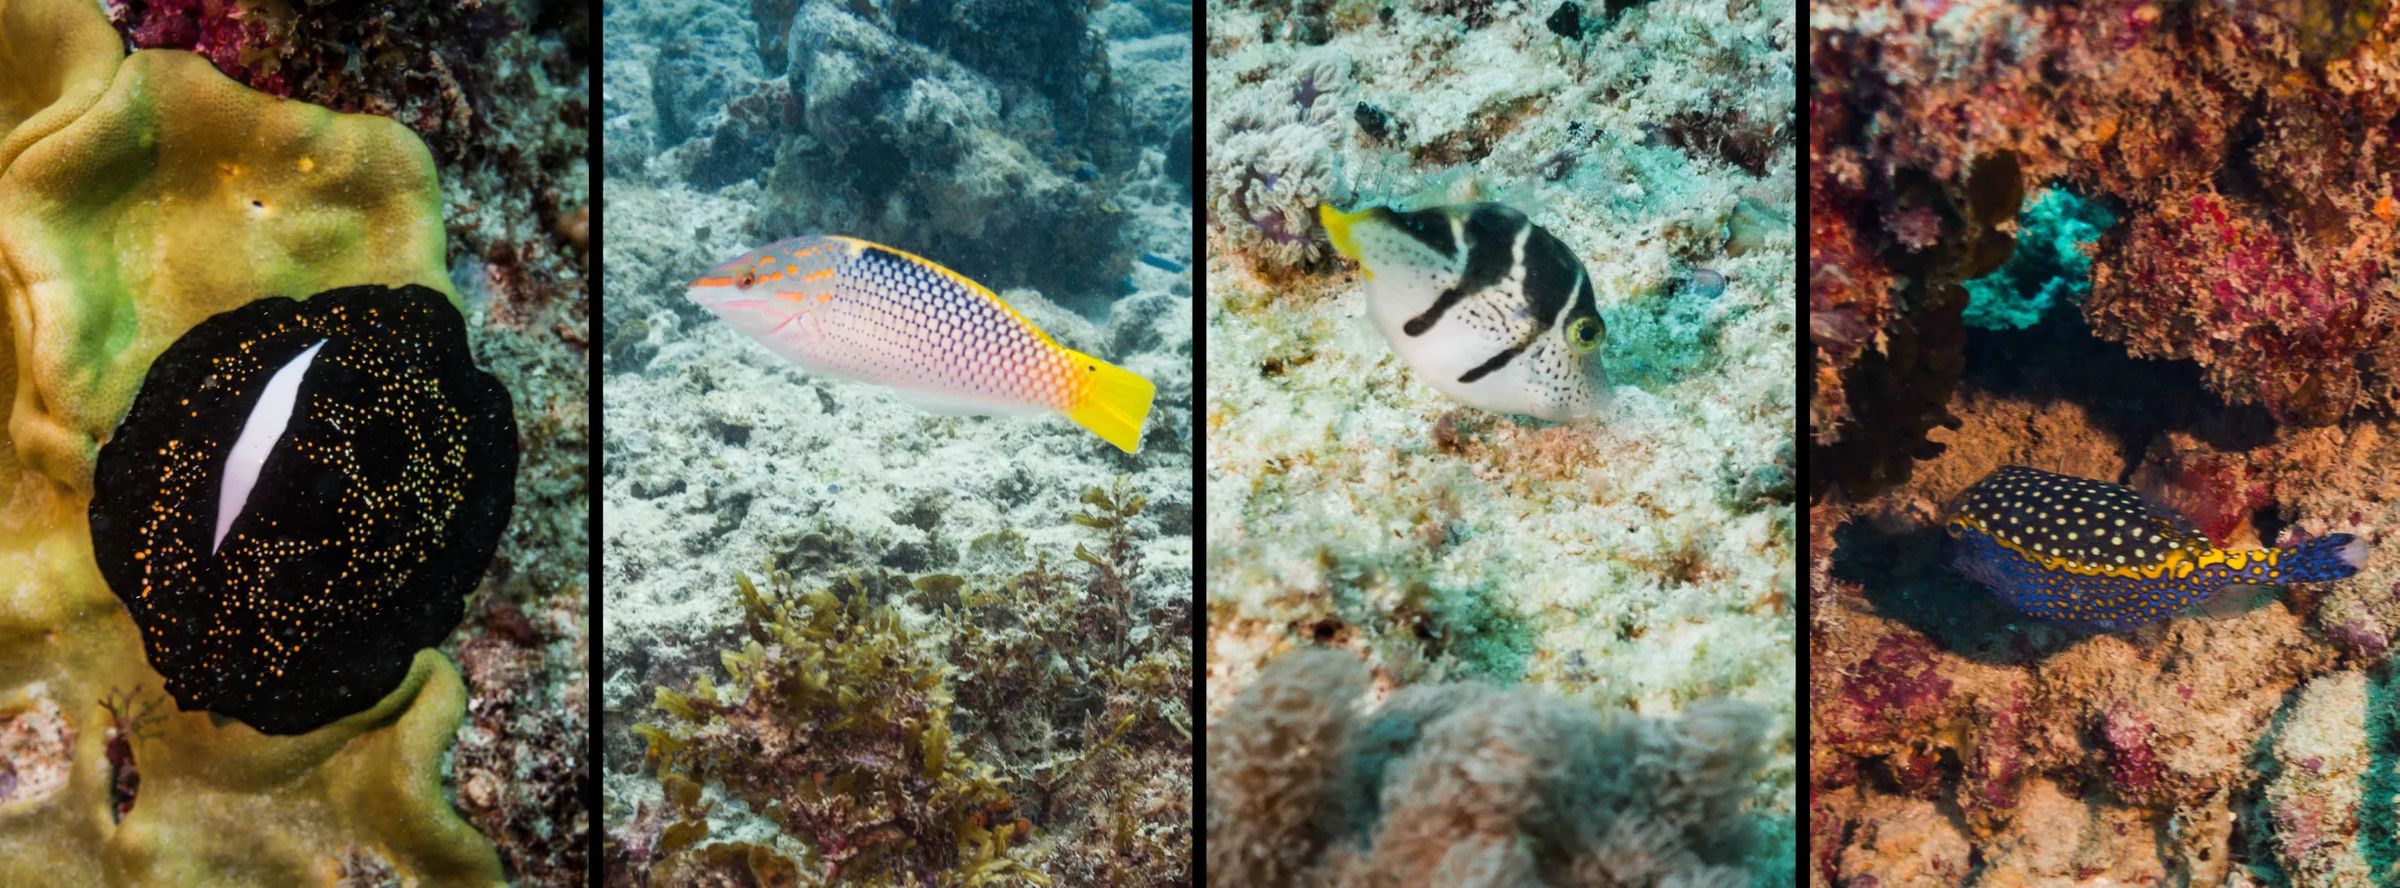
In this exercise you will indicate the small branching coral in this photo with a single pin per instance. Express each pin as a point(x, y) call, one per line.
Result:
point(834, 725)
point(130, 718)
point(1460, 784)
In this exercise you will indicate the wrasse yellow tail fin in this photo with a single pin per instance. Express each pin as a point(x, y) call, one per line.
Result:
point(1116, 405)
point(1337, 226)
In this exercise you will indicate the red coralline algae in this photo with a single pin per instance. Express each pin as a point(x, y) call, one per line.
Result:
point(2361, 639)
point(2132, 760)
point(1996, 767)
point(1898, 685)
point(238, 43)
point(2218, 491)
point(2268, 319)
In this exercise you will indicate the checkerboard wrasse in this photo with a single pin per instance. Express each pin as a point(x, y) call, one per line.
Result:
point(2096, 555)
point(1488, 307)
point(855, 310)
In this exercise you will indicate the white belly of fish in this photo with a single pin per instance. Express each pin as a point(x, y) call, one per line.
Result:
point(1536, 383)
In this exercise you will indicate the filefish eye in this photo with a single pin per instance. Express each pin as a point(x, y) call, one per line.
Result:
point(1584, 334)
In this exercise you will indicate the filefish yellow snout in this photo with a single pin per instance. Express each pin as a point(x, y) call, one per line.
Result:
point(1490, 308)
point(854, 310)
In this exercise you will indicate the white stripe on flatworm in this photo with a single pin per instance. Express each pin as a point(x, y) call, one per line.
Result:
point(259, 433)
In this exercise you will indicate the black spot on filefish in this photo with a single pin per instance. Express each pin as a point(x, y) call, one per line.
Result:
point(373, 516)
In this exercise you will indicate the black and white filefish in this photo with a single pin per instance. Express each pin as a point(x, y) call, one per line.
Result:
point(1490, 308)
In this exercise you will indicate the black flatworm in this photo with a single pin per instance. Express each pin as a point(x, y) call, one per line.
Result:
point(301, 497)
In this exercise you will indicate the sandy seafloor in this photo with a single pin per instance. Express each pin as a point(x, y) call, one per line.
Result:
point(720, 457)
point(1642, 561)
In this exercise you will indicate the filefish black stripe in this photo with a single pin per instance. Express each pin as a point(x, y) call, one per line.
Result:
point(1491, 233)
point(1501, 360)
point(1429, 227)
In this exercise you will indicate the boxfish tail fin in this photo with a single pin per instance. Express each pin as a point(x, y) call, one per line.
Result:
point(1116, 405)
point(2329, 557)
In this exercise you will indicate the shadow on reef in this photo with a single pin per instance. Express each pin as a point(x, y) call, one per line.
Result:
point(1906, 577)
point(2133, 399)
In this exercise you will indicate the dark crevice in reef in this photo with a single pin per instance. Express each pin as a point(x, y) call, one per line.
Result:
point(2136, 400)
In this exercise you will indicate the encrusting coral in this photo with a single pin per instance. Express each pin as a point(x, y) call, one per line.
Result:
point(138, 195)
point(1462, 784)
point(177, 195)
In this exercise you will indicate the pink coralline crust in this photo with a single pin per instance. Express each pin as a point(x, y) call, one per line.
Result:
point(2268, 320)
point(2361, 639)
point(1995, 771)
point(2300, 828)
point(2218, 491)
point(1897, 688)
point(218, 29)
point(2132, 760)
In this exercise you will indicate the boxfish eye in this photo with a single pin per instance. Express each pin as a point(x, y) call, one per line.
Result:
point(1583, 334)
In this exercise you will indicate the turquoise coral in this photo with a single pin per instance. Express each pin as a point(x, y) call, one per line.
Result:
point(2056, 234)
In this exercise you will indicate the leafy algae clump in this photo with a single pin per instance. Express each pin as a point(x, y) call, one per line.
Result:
point(835, 726)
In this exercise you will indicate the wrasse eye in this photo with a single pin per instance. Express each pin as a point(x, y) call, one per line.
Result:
point(745, 278)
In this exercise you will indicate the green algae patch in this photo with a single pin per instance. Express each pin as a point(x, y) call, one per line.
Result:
point(834, 725)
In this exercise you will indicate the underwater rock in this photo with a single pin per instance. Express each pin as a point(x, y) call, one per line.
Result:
point(964, 158)
point(301, 497)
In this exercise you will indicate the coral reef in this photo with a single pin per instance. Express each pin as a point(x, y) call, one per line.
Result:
point(1357, 507)
point(498, 92)
point(2211, 744)
point(2235, 140)
point(2227, 349)
point(1461, 784)
point(146, 192)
